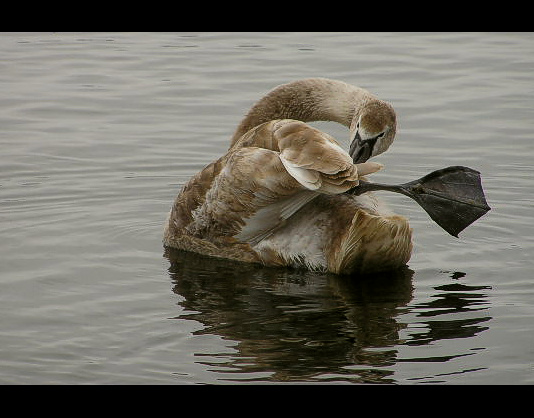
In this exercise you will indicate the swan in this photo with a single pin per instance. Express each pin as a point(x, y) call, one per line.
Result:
point(277, 196)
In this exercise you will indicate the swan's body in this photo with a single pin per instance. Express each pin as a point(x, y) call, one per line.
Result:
point(277, 196)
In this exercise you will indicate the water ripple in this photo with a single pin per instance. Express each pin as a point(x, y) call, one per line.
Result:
point(101, 130)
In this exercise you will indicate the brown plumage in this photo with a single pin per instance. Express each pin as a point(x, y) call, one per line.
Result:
point(276, 197)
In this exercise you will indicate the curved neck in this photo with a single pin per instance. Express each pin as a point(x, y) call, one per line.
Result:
point(313, 99)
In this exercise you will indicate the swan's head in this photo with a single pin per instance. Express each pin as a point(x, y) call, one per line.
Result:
point(372, 130)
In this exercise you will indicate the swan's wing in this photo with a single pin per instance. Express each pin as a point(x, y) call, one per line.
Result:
point(311, 179)
point(269, 195)
point(310, 156)
point(256, 190)
point(270, 218)
point(315, 159)
point(251, 196)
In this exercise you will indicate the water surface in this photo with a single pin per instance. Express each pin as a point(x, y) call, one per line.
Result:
point(99, 131)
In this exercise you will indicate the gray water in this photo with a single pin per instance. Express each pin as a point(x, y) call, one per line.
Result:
point(99, 131)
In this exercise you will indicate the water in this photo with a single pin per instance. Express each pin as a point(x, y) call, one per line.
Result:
point(100, 130)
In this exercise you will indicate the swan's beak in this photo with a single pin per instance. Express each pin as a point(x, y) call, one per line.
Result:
point(360, 149)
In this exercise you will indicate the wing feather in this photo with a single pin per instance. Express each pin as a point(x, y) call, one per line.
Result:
point(314, 158)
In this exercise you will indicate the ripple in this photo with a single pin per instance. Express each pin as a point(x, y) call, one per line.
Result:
point(100, 131)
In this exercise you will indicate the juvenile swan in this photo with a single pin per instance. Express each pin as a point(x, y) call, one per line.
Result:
point(277, 196)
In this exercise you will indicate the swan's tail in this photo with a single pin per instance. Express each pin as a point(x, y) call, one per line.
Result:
point(372, 243)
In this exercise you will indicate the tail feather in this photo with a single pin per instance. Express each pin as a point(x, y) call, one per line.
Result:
point(372, 243)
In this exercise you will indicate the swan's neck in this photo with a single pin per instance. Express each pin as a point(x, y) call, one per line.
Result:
point(314, 99)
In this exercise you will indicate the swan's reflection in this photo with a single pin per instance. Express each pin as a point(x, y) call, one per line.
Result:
point(293, 325)
point(441, 316)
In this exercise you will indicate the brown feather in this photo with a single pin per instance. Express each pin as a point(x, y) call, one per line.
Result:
point(276, 197)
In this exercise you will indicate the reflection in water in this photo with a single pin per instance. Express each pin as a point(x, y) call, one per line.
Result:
point(294, 325)
point(452, 298)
